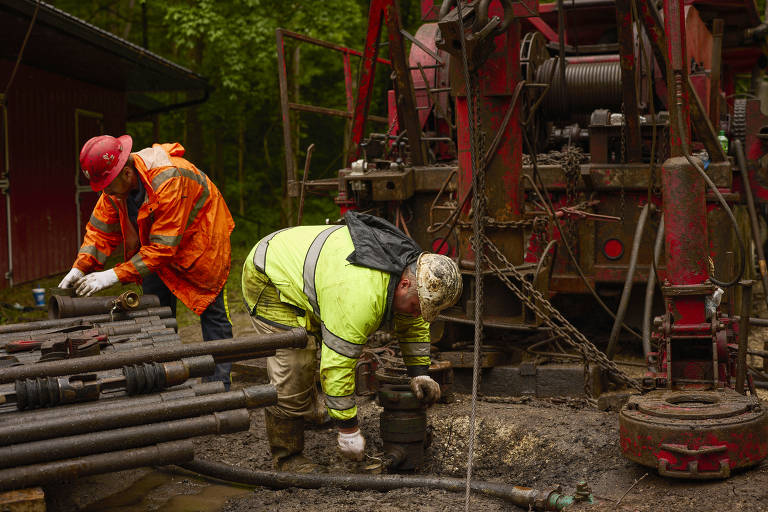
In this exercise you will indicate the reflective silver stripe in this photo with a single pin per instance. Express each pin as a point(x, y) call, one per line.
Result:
point(93, 251)
point(414, 349)
point(141, 267)
point(170, 241)
point(200, 178)
point(260, 254)
point(164, 176)
point(339, 403)
point(174, 172)
point(310, 264)
point(103, 226)
point(340, 345)
point(201, 200)
point(114, 205)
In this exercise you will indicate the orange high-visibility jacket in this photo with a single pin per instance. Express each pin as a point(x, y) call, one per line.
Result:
point(184, 227)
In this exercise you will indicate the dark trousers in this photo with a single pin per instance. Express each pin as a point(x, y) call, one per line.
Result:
point(214, 321)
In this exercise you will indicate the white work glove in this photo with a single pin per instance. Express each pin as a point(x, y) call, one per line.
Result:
point(71, 278)
point(426, 389)
point(352, 444)
point(96, 282)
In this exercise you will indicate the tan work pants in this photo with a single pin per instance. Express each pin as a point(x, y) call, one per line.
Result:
point(292, 372)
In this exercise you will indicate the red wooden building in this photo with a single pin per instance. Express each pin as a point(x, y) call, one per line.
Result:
point(73, 81)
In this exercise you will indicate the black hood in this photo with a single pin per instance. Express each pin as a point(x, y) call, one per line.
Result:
point(379, 244)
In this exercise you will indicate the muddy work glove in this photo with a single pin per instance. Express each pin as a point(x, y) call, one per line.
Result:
point(427, 391)
point(352, 444)
point(96, 282)
point(71, 278)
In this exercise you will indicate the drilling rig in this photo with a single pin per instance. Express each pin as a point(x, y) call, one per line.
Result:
point(565, 154)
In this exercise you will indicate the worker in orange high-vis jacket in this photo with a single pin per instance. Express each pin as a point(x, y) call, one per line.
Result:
point(174, 225)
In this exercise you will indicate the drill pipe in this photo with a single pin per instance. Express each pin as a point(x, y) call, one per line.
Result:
point(234, 349)
point(110, 329)
point(135, 380)
point(149, 326)
point(525, 497)
point(162, 312)
point(149, 341)
point(225, 422)
point(252, 397)
point(60, 306)
point(110, 345)
point(156, 334)
point(174, 452)
point(118, 400)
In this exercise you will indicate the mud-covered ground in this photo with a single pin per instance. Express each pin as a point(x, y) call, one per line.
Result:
point(531, 442)
point(537, 443)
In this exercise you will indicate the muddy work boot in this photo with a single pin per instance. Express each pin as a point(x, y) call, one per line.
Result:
point(286, 444)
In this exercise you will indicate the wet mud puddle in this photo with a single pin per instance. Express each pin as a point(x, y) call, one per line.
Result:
point(163, 492)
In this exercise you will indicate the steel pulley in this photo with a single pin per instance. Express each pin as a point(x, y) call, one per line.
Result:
point(482, 31)
point(533, 55)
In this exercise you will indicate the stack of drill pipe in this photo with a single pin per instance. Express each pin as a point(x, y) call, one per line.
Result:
point(117, 400)
point(132, 379)
point(107, 328)
point(161, 312)
point(234, 349)
point(41, 448)
point(58, 444)
point(125, 338)
point(69, 441)
point(60, 306)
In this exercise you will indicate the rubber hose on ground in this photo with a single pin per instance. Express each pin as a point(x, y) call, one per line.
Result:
point(525, 497)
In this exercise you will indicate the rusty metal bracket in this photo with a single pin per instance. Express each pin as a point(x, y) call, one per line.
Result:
point(684, 450)
point(693, 473)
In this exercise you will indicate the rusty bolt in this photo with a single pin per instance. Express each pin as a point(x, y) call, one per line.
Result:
point(583, 492)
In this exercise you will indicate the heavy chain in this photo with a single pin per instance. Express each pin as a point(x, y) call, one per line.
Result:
point(531, 297)
point(492, 223)
point(622, 198)
point(622, 160)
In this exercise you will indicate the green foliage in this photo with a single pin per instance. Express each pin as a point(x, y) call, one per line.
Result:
point(232, 44)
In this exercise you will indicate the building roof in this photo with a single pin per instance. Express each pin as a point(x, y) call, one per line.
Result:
point(62, 43)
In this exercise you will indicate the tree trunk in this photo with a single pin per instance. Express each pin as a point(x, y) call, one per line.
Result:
point(194, 143)
point(129, 23)
point(144, 25)
point(240, 166)
point(217, 169)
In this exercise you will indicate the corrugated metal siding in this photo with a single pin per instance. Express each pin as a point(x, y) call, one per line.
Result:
point(43, 157)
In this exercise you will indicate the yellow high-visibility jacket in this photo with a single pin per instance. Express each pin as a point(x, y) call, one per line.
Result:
point(338, 301)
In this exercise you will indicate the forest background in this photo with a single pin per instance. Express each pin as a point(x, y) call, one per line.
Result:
point(236, 135)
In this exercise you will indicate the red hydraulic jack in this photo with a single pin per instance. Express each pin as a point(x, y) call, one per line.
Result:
point(692, 424)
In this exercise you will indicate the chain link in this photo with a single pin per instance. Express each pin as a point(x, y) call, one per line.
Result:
point(529, 295)
point(491, 223)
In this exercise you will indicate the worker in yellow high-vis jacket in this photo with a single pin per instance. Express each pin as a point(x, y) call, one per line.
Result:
point(341, 283)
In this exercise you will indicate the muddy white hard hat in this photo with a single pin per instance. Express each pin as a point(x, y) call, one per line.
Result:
point(438, 282)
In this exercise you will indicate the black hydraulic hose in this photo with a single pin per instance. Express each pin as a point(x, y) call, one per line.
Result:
point(621, 312)
point(713, 187)
point(544, 253)
point(525, 497)
point(741, 160)
point(650, 288)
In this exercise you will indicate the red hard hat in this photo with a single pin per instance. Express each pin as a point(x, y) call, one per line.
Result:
point(103, 157)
